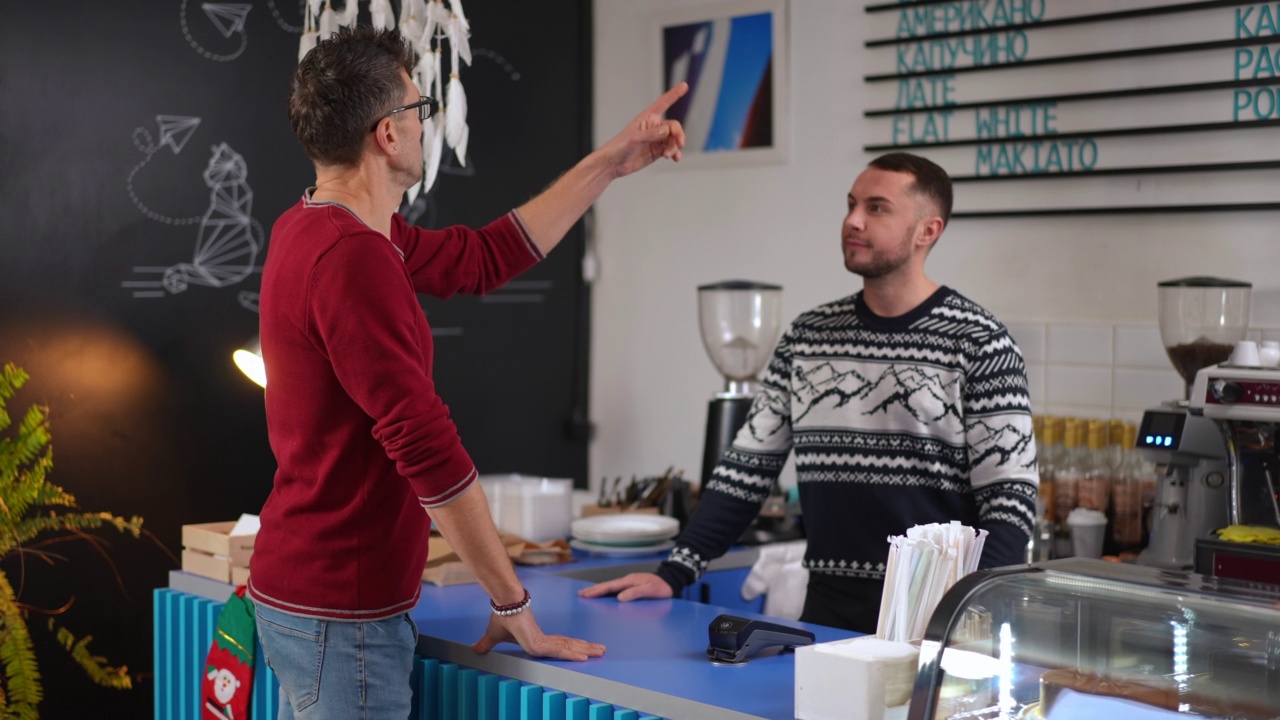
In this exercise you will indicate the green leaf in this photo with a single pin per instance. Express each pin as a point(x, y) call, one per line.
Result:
point(33, 508)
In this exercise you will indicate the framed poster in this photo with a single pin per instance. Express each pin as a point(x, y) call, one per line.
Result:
point(733, 55)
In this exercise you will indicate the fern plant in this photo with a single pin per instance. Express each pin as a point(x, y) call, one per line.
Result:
point(33, 514)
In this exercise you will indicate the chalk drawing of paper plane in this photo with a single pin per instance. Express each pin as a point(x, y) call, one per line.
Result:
point(175, 130)
point(228, 18)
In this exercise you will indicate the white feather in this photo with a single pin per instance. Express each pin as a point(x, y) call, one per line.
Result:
point(309, 35)
point(457, 10)
point(413, 16)
point(461, 148)
point(381, 14)
point(328, 22)
point(437, 16)
point(437, 152)
point(347, 17)
point(459, 32)
point(455, 121)
point(428, 139)
point(424, 73)
point(308, 41)
point(435, 76)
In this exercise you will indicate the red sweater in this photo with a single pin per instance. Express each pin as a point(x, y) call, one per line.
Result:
point(364, 445)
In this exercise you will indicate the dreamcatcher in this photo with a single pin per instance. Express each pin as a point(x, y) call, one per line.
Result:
point(430, 25)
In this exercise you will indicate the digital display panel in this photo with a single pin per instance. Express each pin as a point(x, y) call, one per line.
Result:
point(1161, 429)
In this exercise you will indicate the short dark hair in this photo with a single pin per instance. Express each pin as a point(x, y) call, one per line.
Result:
point(931, 180)
point(342, 86)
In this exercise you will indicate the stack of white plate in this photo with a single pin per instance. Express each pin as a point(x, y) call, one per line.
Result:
point(624, 535)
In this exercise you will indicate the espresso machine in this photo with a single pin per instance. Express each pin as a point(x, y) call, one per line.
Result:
point(1244, 401)
point(1201, 319)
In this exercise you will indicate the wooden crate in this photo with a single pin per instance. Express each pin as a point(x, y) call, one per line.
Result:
point(208, 549)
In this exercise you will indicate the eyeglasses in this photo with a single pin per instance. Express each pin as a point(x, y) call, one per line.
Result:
point(426, 108)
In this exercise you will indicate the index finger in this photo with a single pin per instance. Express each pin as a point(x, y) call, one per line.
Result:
point(609, 587)
point(669, 98)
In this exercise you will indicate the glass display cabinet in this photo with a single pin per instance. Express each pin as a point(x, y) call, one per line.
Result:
point(1088, 639)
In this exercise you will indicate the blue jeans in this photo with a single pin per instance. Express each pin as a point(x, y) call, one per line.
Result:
point(339, 670)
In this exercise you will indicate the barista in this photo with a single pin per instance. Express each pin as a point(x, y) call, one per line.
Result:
point(905, 404)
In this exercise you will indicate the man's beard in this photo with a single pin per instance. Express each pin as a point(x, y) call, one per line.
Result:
point(878, 267)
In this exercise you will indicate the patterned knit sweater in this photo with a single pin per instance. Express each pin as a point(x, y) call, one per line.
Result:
point(895, 422)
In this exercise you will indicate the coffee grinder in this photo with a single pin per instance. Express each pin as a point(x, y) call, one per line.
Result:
point(740, 322)
point(1201, 319)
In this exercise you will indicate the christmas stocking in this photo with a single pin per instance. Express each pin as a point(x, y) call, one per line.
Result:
point(228, 671)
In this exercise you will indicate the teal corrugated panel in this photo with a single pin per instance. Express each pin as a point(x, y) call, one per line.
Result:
point(575, 708)
point(448, 691)
point(509, 700)
point(184, 668)
point(467, 700)
point(427, 689)
point(621, 714)
point(531, 702)
point(553, 702)
point(162, 598)
point(487, 697)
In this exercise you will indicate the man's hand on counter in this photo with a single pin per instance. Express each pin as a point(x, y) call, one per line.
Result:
point(468, 526)
point(524, 631)
point(636, 586)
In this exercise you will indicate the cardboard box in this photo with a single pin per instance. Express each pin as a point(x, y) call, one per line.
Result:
point(592, 510)
point(209, 550)
point(444, 567)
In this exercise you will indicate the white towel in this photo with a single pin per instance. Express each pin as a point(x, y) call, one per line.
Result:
point(779, 573)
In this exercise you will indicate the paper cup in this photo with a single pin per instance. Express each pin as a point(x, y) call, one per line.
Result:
point(1088, 530)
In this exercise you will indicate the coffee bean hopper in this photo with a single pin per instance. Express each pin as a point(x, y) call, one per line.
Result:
point(1201, 320)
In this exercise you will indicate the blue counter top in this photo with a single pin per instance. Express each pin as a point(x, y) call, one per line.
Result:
point(656, 659)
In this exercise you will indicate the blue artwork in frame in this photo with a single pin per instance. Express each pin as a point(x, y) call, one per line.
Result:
point(732, 64)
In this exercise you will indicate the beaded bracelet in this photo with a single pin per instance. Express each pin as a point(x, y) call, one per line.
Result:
point(513, 608)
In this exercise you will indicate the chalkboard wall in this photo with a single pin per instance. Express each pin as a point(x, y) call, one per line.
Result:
point(144, 154)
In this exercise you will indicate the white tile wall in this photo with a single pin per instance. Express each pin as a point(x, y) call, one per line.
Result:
point(1140, 346)
point(1073, 385)
point(1138, 389)
point(1100, 370)
point(1080, 344)
point(1030, 338)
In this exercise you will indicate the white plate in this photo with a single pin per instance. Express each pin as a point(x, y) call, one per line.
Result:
point(625, 527)
point(614, 551)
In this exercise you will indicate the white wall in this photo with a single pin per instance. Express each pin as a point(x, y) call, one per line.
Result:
point(665, 231)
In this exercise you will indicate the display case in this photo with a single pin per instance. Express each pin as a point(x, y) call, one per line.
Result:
point(1089, 639)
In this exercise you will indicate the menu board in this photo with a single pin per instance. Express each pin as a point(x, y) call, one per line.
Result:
point(1052, 107)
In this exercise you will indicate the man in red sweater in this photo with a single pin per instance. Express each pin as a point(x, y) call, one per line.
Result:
point(367, 453)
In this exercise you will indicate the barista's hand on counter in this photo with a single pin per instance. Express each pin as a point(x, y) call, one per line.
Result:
point(636, 586)
point(523, 630)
